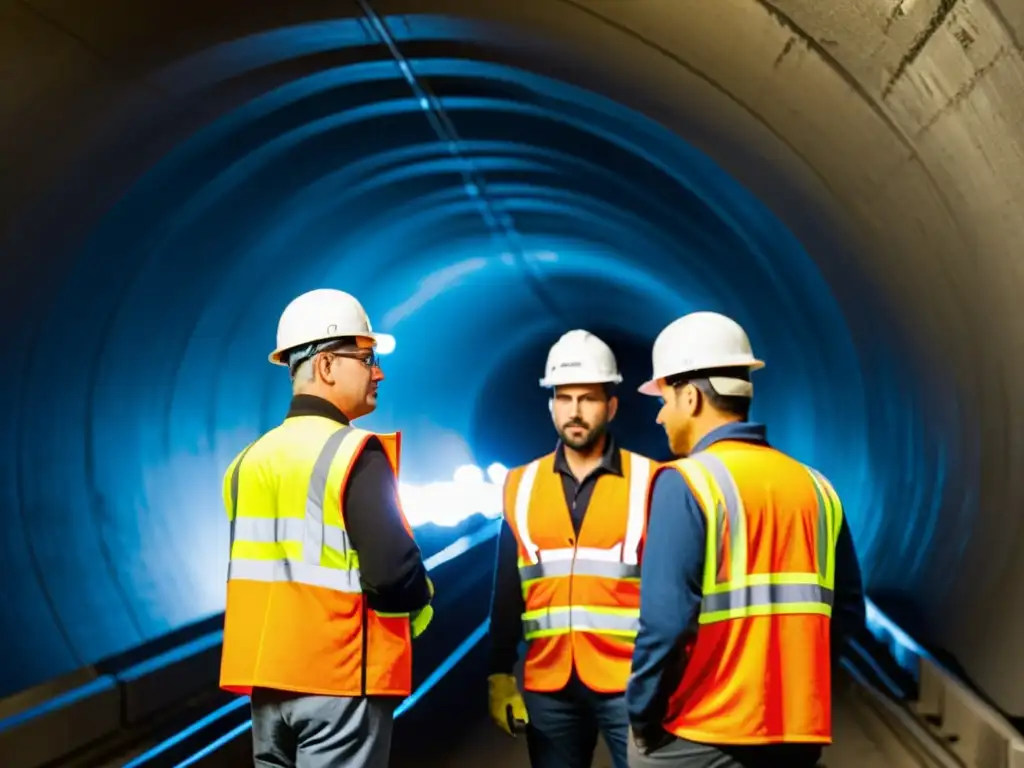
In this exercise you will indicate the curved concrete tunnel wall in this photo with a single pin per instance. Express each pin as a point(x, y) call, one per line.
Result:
point(175, 172)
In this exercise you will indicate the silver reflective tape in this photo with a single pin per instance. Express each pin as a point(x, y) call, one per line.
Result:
point(765, 594)
point(335, 538)
point(556, 568)
point(313, 537)
point(722, 530)
point(522, 510)
point(824, 512)
point(562, 553)
point(294, 572)
point(734, 509)
point(639, 476)
point(580, 619)
point(270, 530)
point(235, 474)
point(611, 555)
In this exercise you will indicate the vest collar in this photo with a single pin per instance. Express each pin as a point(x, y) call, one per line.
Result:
point(311, 405)
point(747, 431)
point(611, 459)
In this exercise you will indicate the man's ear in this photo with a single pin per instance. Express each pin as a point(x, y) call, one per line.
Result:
point(613, 407)
point(693, 399)
point(323, 365)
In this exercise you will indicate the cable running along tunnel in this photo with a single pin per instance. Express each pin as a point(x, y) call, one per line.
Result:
point(840, 178)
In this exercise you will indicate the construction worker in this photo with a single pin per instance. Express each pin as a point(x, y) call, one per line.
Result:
point(326, 587)
point(749, 574)
point(567, 577)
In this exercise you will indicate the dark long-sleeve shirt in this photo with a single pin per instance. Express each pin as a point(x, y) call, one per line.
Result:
point(672, 574)
point(391, 569)
point(507, 604)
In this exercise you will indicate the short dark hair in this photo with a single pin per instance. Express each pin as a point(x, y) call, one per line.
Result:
point(733, 405)
point(297, 355)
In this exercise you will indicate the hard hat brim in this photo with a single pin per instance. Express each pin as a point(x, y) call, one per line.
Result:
point(547, 383)
point(650, 388)
point(384, 343)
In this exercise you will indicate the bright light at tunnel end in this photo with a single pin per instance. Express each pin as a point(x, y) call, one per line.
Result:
point(386, 344)
point(471, 491)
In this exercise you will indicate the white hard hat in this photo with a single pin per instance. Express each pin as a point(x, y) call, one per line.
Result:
point(698, 342)
point(579, 357)
point(324, 314)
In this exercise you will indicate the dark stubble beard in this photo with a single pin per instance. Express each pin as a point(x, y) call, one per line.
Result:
point(589, 438)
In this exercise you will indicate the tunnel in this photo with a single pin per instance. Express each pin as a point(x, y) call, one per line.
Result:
point(841, 178)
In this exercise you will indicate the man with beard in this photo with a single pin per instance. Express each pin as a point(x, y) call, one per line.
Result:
point(567, 579)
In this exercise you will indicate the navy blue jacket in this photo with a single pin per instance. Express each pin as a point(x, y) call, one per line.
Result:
point(672, 574)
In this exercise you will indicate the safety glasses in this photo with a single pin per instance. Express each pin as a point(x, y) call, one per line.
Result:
point(367, 357)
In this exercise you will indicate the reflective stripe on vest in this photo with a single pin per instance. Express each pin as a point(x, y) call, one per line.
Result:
point(730, 592)
point(302, 550)
point(557, 621)
point(619, 562)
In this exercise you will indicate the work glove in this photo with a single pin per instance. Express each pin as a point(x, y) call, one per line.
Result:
point(508, 710)
point(420, 620)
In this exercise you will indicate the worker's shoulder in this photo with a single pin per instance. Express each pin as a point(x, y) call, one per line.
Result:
point(623, 451)
point(680, 465)
point(779, 464)
point(821, 478)
point(371, 441)
point(674, 479)
point(672, 474)
point(635, 457)
point(296, 437)
point(263, 445)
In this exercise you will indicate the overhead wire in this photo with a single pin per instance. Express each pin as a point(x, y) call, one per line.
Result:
point(500, 223)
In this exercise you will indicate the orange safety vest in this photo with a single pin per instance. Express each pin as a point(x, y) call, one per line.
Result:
point(759, 669)
point(582, 594)
point(296, 619)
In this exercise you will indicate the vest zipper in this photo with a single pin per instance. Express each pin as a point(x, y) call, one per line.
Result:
point(366, 650)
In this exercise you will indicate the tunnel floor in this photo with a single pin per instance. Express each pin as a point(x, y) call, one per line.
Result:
point(861, 739)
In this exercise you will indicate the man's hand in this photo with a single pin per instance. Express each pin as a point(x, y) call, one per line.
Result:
point(420, 620)
point(508, 710)
point(650, 739)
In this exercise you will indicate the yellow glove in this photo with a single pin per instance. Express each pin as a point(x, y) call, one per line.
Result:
point(420, 620)
point(508, 710)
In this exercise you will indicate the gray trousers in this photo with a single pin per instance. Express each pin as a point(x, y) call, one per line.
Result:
point(298, 731)
point(680, 753)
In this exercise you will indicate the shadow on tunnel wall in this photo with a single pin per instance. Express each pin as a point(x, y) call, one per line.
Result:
point(175, 172)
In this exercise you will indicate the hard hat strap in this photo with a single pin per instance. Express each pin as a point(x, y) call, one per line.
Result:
point(728, 382)
point(299, 355)
point(731, 387)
